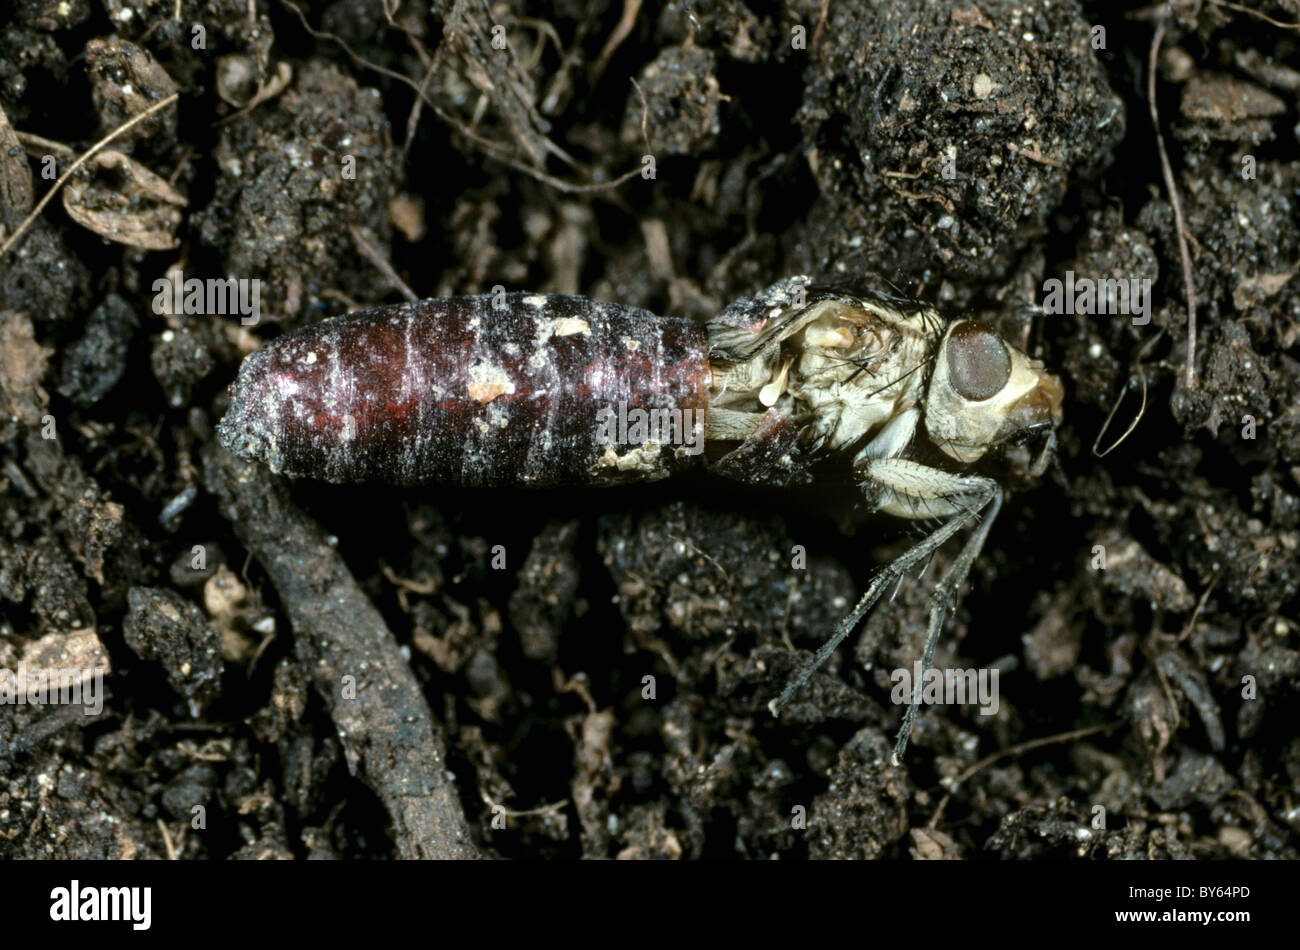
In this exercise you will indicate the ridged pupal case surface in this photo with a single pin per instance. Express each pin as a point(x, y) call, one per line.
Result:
point(460, 391)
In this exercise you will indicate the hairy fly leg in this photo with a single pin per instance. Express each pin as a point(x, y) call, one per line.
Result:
point(909, 489)
point(970, 498)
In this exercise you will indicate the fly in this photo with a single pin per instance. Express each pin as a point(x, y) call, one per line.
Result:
point(543, 390)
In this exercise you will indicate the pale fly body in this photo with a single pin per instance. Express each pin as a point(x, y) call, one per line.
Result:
point(541, 390)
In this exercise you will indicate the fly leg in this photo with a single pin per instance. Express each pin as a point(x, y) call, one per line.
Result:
point(911, 490)
point(946, 596)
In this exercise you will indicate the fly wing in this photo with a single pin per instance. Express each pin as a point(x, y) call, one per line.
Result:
point(750, 325)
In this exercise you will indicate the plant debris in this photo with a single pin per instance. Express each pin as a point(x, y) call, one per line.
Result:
point(353, 672)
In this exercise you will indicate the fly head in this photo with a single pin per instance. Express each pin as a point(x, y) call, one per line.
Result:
point(985, 393)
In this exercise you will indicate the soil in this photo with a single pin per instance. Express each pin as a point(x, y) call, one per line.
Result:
point(583, 673)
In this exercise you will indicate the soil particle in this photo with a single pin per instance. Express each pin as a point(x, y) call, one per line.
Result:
point(57, 810)
point(1229, 109)
point(95, 362)
point(603, 692)
point(124, 81)
point(291, 186)
point(1131, 570)
point(548, 583)
point(163, 626)
point(180, 359)
point(864, 808)
point(1023, 106)
point(680, 108)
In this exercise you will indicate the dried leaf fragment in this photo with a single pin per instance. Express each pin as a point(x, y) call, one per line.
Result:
point(15, 177)
point(241, 84)
point(1252, 291)
point(22, 365)
point(121, 200)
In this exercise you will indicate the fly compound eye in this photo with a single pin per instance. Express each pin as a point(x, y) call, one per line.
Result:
point(978, 362)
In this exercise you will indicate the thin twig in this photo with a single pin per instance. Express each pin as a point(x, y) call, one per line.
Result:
point(1255, 13)
point(621, 30)
point(1033, 155)
point(821, 22)
point(1200, 604)
point(413, 120)
point(490, 148)
point(1105, 426)
point(167, 841)
point(85, 157)
point(1013, 751)
point(645, 117)
point(38, 145)
point(1142, 378)
point(381, 262)
point(1172, 188)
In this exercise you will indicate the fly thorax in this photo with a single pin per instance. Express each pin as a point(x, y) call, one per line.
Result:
point(841, 368)
point(855, 371)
